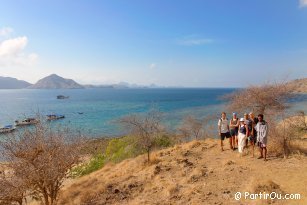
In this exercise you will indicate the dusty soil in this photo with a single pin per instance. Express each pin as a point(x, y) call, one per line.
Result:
point(193, 173)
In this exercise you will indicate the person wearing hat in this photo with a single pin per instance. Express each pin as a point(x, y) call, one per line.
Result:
point(242, 136)
point(233, 125)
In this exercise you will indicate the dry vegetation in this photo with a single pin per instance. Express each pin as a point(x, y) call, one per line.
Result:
point(190, 173)
point(38, 161)
point(300, 85)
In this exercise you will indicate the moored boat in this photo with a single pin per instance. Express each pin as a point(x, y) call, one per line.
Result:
point(7, 129)
point(27, 121)
point(62, 97)
point(55, 117)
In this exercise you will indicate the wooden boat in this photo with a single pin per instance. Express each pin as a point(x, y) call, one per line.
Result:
point(27, 121)
point(7, 129)
point(61, 97)
point(55, 117)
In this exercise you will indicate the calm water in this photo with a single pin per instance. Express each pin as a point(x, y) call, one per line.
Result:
point(101, 107)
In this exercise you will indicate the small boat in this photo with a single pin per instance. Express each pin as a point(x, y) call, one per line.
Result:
point(27, 121)
point(7, 129)
point(61, 97)
point(55, 117)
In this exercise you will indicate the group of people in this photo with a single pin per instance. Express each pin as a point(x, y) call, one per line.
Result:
point(241, 132)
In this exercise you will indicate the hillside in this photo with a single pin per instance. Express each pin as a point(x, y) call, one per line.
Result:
point(12, 83)
point(300, 85)
point(193, 173)
point(55, 82)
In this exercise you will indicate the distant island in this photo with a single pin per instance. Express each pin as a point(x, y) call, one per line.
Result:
point(54, 81)
point(13, 83)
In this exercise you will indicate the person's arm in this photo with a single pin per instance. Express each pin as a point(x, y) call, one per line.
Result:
point(238, 123)
point(246, 128)
point(219, 127)
point(258, 136)
point(230, 125)
point(253, 127)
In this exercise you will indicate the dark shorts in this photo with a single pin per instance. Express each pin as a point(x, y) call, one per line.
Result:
point(252, 139)
point(233, 132)
point(223, 135)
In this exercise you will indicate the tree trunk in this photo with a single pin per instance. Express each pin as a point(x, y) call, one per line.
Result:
point(46, 199)
point(148, 155)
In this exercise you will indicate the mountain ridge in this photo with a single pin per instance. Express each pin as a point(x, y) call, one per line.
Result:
point(54, 81)
point(13, 83)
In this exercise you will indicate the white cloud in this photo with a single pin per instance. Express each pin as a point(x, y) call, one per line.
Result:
point(152, 66)
point(194, 41)
point(303, 3)
point(12, 52)
point(6, 31)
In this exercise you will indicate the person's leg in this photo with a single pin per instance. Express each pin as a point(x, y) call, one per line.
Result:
point(233, 139)
point(261, 153)
point(230, 142)
point(222, 139)
point(253, 147)
point(265, 151)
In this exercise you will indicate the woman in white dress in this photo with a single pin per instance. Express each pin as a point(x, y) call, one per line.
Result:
point(242, 136)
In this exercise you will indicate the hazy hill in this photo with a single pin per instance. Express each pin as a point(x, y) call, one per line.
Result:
point(12, 83)
point(192, 173)
point(300, 85)
point(55, 82)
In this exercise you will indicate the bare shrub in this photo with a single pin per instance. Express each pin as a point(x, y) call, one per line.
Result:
point(146, 128)
point(13, 190)
point(193, 128)
point(265, 99)
point(40, 158)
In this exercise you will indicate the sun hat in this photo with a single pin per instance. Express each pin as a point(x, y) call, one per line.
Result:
point(242, 119)
point(234, 113)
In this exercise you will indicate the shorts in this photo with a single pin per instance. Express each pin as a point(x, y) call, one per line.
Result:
point(223, 135)
point(252, 139)
point(233, 132)
point(261, 145)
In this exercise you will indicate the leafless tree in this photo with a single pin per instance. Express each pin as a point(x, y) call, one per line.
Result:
point(145, 127)
point(40, 158)
point(12, 190)
point(265, 99)
point(192, 127)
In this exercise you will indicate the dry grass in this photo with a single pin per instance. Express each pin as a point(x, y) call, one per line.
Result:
point(191, 173)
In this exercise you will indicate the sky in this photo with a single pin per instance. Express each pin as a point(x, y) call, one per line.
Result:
point(190, 43)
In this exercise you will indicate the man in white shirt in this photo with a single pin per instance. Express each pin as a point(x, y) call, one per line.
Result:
point(223, 127)
point(262, 136)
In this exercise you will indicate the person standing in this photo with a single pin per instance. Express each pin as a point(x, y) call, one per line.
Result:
point(234, 124)
point(223, 128)
point(252, 137)
point(262, 136)
point(242, 136)
point(249, 126)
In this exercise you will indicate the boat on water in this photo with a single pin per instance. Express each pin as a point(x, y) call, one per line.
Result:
point(61, 97)
point(55, 117)
point(26, 121)
point(7, 129)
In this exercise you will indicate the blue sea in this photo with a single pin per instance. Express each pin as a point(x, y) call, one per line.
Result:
point(102, 107)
